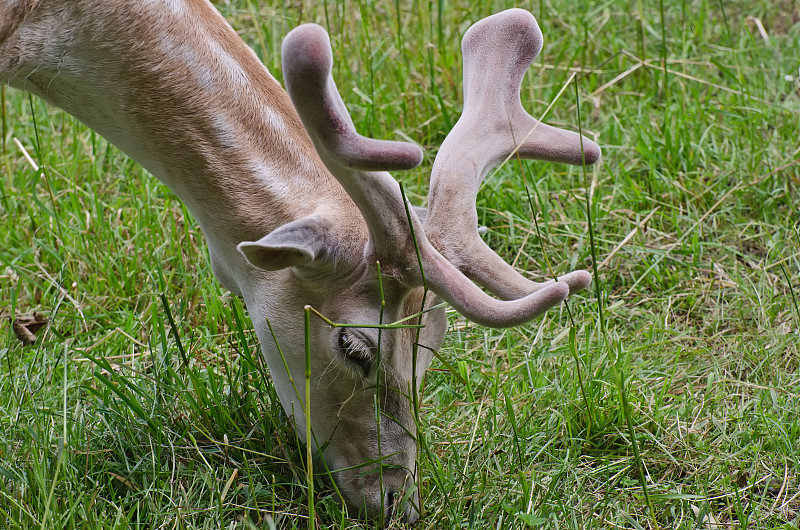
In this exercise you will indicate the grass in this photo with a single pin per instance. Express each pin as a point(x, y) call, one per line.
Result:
point(668, 396)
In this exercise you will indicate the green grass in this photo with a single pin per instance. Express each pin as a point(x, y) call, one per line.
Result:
point(684, 352)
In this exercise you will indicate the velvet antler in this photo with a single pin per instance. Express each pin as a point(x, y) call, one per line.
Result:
point(497, 51)
point(353, 159)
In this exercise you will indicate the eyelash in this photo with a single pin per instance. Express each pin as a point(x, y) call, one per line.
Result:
point(356, 350)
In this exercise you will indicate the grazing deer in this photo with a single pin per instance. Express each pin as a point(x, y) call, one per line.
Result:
point(297, 207)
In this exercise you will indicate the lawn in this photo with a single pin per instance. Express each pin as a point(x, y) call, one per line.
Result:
point(666, 396)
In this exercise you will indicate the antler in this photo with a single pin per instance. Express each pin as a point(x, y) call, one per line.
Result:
point(497, 51)
point(352, 159)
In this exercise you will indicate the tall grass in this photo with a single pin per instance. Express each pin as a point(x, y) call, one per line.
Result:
point(666, 396)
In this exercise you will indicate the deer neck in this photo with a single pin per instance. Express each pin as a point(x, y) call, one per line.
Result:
point(190, 102)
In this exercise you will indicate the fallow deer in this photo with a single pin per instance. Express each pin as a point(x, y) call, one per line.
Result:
point(297, 207)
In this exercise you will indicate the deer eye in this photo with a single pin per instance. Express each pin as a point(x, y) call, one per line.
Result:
point(356, 349)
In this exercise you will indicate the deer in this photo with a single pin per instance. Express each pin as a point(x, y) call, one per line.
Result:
point(298, 209)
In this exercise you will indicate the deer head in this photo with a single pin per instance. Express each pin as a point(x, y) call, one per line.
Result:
point(363, 379)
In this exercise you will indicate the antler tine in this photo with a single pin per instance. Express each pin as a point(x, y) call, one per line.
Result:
point(497, 51)
point(307, 62)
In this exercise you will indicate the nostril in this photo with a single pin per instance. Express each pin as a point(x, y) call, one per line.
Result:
point(391, 497)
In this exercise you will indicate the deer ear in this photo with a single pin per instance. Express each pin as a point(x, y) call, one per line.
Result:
point(301, 243)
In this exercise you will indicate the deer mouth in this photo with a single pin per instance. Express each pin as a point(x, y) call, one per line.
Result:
point(390, 494)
